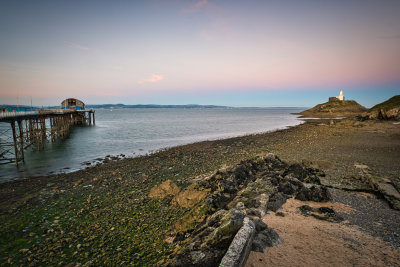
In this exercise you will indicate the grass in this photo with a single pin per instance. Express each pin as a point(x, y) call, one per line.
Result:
point(388, 104)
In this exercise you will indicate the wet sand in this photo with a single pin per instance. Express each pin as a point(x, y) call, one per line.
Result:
point(308, 241)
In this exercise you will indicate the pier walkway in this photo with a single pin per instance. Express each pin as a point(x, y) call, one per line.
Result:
point(34, 128)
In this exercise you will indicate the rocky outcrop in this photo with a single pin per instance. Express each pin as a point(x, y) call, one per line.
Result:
point(381, 114)
point(238, 198)
point(388, 110)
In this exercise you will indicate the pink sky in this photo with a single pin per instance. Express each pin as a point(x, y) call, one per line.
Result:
point(139, 51)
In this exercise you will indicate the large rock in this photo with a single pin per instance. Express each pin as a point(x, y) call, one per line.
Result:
point(240, 247)
point(167, 188)
point(314, 193)
point(265, 237)
point(189, 197)
point(276, 201)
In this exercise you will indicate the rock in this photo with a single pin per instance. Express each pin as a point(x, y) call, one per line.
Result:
point(296, 171)
point(167, 188)
point(265, 237)
point(390, 109)
point(254, 212)
point(276, 201)
point(240, 206)
point(314, 193)
point(390, 194)
point(312, 179)
point(279, 213)
point(195, 216)
point(216, 217)
point(197, 256)
point(211, 241)
point(230, 224)
point(218, 200)
point(360, 166)
point(189, 197)
point(240, 247)
point(289, 186)
point(248, 190)
point(322, 213)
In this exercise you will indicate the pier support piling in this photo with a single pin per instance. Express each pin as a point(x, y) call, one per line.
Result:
point(36, 129)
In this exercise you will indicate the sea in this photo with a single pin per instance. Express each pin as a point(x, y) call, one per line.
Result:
point(139, 131)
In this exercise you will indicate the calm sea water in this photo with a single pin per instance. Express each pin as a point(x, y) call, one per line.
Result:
point(136, 132)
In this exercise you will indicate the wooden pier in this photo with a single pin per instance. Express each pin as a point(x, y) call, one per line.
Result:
point(34, 128)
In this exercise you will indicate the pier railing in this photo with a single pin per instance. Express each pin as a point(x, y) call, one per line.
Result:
point(17, 113)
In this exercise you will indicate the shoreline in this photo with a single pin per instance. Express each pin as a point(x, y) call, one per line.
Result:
point(112, 158)
point(109, 201)
point(88, 163)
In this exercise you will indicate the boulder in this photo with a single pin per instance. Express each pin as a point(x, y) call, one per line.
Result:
point(189, 197)
point(314, 193)
point(240, 247)
point(265, 237)
point(167, 188)
point(276, 201)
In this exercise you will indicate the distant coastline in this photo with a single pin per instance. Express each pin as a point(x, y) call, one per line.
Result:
point(119, 106)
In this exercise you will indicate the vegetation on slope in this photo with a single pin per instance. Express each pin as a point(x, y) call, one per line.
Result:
point(335, 107)
point(388, 104)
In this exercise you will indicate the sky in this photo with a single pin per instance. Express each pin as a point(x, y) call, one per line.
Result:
point(220, 52)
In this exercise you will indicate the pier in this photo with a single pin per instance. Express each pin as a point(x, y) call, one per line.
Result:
point(35, 128)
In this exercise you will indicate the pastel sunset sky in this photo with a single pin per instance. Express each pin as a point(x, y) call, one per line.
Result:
point(236, 53)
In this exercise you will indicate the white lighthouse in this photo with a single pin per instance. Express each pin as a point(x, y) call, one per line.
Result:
point(341, 96)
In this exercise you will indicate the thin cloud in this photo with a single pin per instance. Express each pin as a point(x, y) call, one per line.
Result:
point(197, 6)
point(78, 46)
point(154, 78)
point(200, 4)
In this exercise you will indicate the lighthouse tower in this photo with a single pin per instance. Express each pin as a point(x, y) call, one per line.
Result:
point(341, 96)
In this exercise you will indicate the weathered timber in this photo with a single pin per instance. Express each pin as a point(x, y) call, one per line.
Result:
point(35, 128)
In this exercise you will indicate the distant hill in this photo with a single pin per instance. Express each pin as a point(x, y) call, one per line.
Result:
point(109, 106)
point(390, 109)
point(334, 108)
